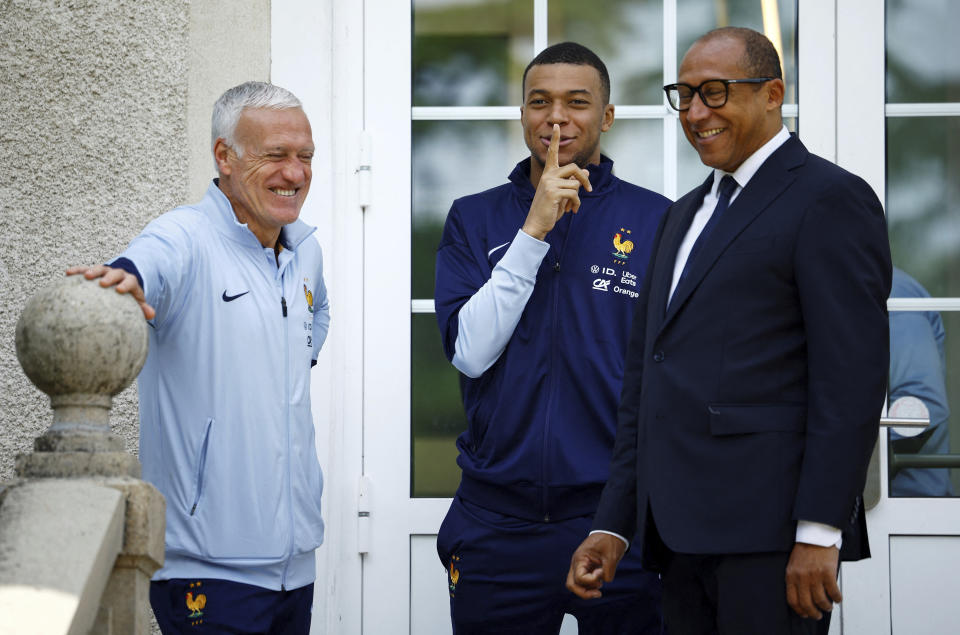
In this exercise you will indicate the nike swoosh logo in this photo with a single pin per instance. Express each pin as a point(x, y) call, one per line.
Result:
point(490, 253)
point(231, 298)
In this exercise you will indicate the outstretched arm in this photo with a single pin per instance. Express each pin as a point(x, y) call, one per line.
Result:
point(123, 281)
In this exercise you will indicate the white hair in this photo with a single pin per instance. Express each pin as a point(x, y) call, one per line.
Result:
point(231, 104)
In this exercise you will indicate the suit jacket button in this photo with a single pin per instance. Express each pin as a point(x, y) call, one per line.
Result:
point(658, 356)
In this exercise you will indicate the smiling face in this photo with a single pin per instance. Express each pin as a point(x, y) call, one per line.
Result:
point(725, 137)
point(269, 183)
point(570, 95)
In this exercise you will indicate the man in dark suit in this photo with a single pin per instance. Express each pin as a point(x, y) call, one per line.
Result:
point(756, 368)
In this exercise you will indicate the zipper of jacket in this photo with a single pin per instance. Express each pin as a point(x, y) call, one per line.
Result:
point(544, 487)
point(286, 410)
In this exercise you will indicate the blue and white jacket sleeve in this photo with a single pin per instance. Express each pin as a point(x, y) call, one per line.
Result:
point(479, 308)
point(321, 314)
point(161, 257)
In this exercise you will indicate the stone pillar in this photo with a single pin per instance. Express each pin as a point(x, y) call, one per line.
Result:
point(82, 344)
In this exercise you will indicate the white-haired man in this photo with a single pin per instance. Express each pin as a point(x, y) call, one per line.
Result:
point(233, 290)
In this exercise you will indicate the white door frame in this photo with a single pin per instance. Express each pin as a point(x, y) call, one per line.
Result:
point(394, 515)
point(317, 52)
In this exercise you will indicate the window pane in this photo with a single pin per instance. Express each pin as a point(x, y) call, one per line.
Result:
point(636, 147)
point(470, 53)
point(923, 199)
point(924, 372)
point(923, 52)
point(436, 412)
point(696, 17)
point(452, 159)
point(628, 37)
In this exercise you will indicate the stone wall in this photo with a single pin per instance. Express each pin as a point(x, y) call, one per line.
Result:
point(104, 125)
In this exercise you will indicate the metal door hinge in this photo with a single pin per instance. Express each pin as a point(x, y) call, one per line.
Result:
point(363, 515)
point(364, 170)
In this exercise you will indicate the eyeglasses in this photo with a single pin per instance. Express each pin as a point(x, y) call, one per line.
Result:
point(713, 92)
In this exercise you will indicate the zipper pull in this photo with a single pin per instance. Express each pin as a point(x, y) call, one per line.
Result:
point(283, 305)
point(556, 266)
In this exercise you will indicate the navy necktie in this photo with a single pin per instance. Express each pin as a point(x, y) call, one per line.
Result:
point(725, 191)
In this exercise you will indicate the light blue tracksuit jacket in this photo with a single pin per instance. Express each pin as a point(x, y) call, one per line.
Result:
point(226, 432)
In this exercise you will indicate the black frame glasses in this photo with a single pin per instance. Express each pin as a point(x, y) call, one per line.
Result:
point(715, 98)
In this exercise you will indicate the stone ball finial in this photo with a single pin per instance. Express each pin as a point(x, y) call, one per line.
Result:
point(81, 344)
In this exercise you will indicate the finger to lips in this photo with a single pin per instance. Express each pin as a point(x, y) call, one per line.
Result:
point(553, 152)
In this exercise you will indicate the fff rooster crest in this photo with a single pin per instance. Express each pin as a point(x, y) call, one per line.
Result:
point(623, 247)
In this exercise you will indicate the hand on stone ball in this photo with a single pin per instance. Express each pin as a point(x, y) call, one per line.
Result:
point(124, 281)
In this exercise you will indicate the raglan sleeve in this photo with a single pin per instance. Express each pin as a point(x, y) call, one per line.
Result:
point(162, 257)
point(478, 308)
point(321, 309)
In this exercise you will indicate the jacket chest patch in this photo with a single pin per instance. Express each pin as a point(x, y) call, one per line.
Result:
point(610, 271)
point(622, 246)
point(615, 280)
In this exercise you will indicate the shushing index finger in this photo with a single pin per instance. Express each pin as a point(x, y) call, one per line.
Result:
point(553, 152)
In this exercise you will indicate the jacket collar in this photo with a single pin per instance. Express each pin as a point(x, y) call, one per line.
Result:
point(220, 212)
point(601, 177)
point(772, 177)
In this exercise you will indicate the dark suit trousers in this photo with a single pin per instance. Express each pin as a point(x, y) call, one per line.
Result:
point(738, 594)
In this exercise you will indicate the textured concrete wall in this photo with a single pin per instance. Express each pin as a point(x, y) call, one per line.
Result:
point(92, 131)
point(104, 125)
point(229, 45)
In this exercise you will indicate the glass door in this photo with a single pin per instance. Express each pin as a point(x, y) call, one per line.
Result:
point(899, 127)
point(448, 127)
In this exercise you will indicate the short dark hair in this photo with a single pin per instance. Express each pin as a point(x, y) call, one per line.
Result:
point(571, 53)
point(760, 58)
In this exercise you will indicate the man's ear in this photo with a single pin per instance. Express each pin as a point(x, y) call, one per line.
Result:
point(607, 117)
point(775, 92)
point(221, 154)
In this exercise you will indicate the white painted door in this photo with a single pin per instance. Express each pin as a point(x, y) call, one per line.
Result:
point(404, 586)
point(898, 126)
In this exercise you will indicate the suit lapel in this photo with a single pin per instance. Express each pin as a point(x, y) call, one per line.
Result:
point(773, 177)
point(678, 222)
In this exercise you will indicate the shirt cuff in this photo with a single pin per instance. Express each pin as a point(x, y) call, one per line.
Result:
point(524, 255)
point(610, 533)
point(819, 534)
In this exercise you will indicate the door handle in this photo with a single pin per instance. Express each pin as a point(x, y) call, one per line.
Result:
point(871, 491)
point(904, 422)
